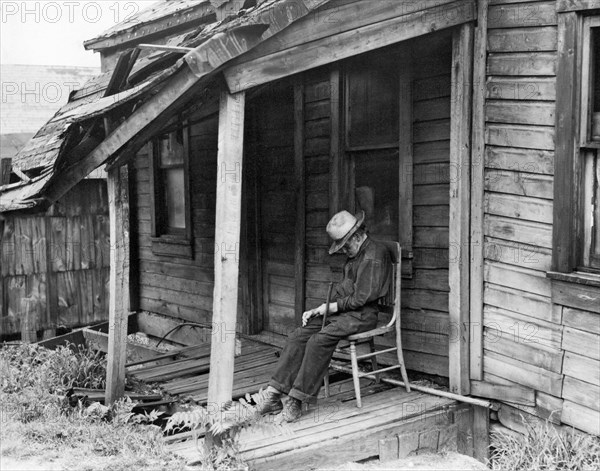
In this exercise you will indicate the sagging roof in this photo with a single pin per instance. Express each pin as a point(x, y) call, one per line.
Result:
point(75, 142)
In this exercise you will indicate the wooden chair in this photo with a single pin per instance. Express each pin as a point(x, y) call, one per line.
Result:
point(391, 303)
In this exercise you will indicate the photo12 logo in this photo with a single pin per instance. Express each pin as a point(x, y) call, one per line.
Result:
point(71, 12)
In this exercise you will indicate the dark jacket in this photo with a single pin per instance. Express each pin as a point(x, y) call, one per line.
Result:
point(367, 278)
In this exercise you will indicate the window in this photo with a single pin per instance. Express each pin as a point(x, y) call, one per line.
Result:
point(590, 143)
point(376, 144)
point(371, 140)
point(171, 178)
point(171, 222)
point(576, 229)
point(377, 149)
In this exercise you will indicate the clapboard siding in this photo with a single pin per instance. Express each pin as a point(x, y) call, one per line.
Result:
point(518, 230)
point(530, 338)
point(523, 334)
point(581, 384)
point(517, 15)
point(521, 88)
point(519, 183)
point(518, 207)
point(172, 285)
point(427, 291)
point(520, 160)
point(528, 39)
point(515, 253)
point(520, 112)
point(320, 267)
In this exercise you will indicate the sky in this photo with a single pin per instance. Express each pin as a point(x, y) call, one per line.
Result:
point(52, 32)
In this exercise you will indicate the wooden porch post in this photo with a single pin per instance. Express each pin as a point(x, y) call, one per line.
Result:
point(227, 242)
point(477, 191)
point(118, 311)
point(460, 165)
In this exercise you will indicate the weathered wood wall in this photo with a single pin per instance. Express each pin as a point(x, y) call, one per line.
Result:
point(425, 296)
point(425, 324)
point(529, 340)
point(174, 285)
point(318, 106)
point(55, 266)
point(522, 332)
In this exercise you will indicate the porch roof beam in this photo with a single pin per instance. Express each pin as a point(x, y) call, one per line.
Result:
point(247, 73)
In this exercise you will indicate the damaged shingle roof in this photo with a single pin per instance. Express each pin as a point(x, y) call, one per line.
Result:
point(58, 144)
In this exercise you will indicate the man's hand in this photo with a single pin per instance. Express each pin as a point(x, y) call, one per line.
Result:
point(318, 311)
point(308, 315)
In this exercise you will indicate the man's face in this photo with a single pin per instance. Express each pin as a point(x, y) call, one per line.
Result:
point(351, 246)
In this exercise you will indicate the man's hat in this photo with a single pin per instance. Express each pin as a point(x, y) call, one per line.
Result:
point(341, 227)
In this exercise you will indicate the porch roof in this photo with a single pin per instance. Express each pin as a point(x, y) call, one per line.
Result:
point(63, 148)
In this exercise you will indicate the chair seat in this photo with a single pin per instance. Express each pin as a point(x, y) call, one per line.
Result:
point(370, 333)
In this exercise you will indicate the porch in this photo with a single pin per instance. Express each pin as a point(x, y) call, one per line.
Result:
point(330, 432)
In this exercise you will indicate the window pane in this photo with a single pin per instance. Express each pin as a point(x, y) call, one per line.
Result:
point(591, 209)
point(377, 191)
point(171, 149)
point(595, 61)
point(175, 198)
point(372, 103)
point(596, 209)
point(595, 83)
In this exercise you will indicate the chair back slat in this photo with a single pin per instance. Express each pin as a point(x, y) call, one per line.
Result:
point(391, 302)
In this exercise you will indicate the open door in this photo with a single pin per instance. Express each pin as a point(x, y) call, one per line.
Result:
point(272, 149)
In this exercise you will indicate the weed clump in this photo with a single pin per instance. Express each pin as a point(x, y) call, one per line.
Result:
point(36, 411)
point(34, 379)
point(545, 447)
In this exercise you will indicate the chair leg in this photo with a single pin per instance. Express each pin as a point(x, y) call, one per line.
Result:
point(355, 374)
point(326, 382)
point(374, 359)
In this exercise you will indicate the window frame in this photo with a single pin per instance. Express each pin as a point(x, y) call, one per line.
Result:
point(587, 145)
point(572, 130)
point(164, 242)
point(342, 194)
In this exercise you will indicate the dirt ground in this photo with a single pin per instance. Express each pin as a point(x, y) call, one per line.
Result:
point(10, 464)
point(441, 462)
point(430, 462)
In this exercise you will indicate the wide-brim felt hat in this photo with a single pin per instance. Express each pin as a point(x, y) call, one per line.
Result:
point(341, 227)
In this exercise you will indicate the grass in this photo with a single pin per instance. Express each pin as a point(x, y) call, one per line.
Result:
point(545, 447)
point(38, 421)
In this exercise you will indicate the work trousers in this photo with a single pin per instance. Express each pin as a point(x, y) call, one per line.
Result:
point(306, 356)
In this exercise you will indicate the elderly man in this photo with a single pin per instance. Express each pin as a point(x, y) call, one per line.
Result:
point(306, 356)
